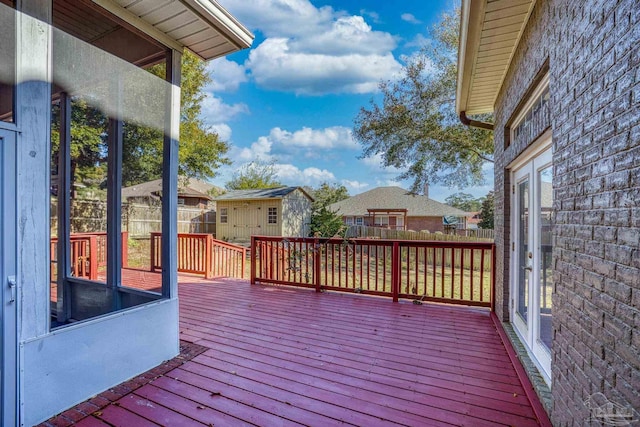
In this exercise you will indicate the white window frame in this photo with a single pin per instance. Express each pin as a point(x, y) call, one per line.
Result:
point(272, 215)
point(526, 108)
point(224, 215)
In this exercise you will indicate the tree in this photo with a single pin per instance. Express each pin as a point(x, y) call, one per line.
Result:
point(254, 175)
point(486, 211)
point(415, 127)
point(464, 201)
point(200, 152)
point(324, 221)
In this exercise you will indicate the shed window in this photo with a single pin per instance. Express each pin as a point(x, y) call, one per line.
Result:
point(224, 215)
point(272, 216)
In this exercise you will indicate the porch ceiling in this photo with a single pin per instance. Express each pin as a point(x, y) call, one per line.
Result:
point(202, 26)
point(489, 34)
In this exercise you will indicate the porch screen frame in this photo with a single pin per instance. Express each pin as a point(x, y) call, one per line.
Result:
point(115, 138)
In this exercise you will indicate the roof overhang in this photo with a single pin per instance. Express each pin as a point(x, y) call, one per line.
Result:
point(202, 26)
point(489, 35)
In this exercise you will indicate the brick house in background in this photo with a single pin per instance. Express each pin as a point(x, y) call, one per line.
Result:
point(398, 209)
point(562, 79)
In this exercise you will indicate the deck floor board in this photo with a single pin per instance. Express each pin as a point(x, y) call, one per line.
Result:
point(278, 356)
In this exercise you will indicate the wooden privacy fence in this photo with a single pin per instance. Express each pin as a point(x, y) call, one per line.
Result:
point(202, 254)
point(449, 272)
point(385, 233)
point(88, 253)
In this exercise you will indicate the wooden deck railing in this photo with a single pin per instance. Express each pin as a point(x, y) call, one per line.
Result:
point(200, 253)
point(88, 254)
point(450, 272)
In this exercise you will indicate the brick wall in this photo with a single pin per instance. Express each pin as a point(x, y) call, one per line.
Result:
point(419, 223)
point(594, 62)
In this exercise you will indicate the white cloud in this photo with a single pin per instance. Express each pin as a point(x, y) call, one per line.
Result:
point(226, 75)
point(375, 164)
point(312, 51)
point(223, 130)
point(323, 139)
point(280, 17)
point(355, 186)
point(418, 41)
point(275, 67)
point(215, 111)
point(259, 150)
point(408, 17)
point(283, 145)
point(375, 16)
point(292, 175)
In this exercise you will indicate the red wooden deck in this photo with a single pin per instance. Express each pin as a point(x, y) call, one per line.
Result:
point(280, 356)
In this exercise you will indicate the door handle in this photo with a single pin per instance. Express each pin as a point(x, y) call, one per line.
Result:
point(11, 280)
point(528, 268)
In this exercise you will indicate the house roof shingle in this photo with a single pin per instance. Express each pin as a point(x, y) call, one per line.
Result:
point(263, 193)
point(394, 198)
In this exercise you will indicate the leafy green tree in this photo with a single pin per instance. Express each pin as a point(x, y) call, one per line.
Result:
point(254, 175)
point(487, 211)
point(200, 153)
point(324, 221)
point(464, 201)
point(415, 127)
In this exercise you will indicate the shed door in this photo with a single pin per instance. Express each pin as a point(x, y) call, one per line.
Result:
point(8, 338)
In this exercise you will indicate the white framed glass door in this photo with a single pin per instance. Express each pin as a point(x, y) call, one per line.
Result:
point(531, 268)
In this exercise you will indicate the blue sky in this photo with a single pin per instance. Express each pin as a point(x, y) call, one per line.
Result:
point(292, 98)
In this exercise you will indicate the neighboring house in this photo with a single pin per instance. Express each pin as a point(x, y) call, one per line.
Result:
point(191, 193)
point(473, 220)
point(58, 56)
point(398, 209)
point(562, 80)
point(284, 211)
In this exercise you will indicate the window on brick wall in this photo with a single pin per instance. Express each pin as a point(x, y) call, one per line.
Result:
point(533, 118)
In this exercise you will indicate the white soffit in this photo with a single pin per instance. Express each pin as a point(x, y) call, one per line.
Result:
point(489, 34)
point(202, 26)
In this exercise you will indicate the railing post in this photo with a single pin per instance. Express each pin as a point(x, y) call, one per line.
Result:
point(153, 252)
point(316, 264)
point(93, 258)
point(125, 249)
point(395, 271)
point(244, 259)
point(253, 255)
point(208, 257)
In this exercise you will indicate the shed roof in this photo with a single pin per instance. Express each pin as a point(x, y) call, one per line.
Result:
point(394, 198)
point(259, 194)
point(489, 35)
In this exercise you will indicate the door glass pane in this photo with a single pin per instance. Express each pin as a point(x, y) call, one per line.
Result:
point(545, 204)
point(523, 256)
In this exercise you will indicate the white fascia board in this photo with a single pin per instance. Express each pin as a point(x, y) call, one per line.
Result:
point(471, 19)
point(220, 19)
